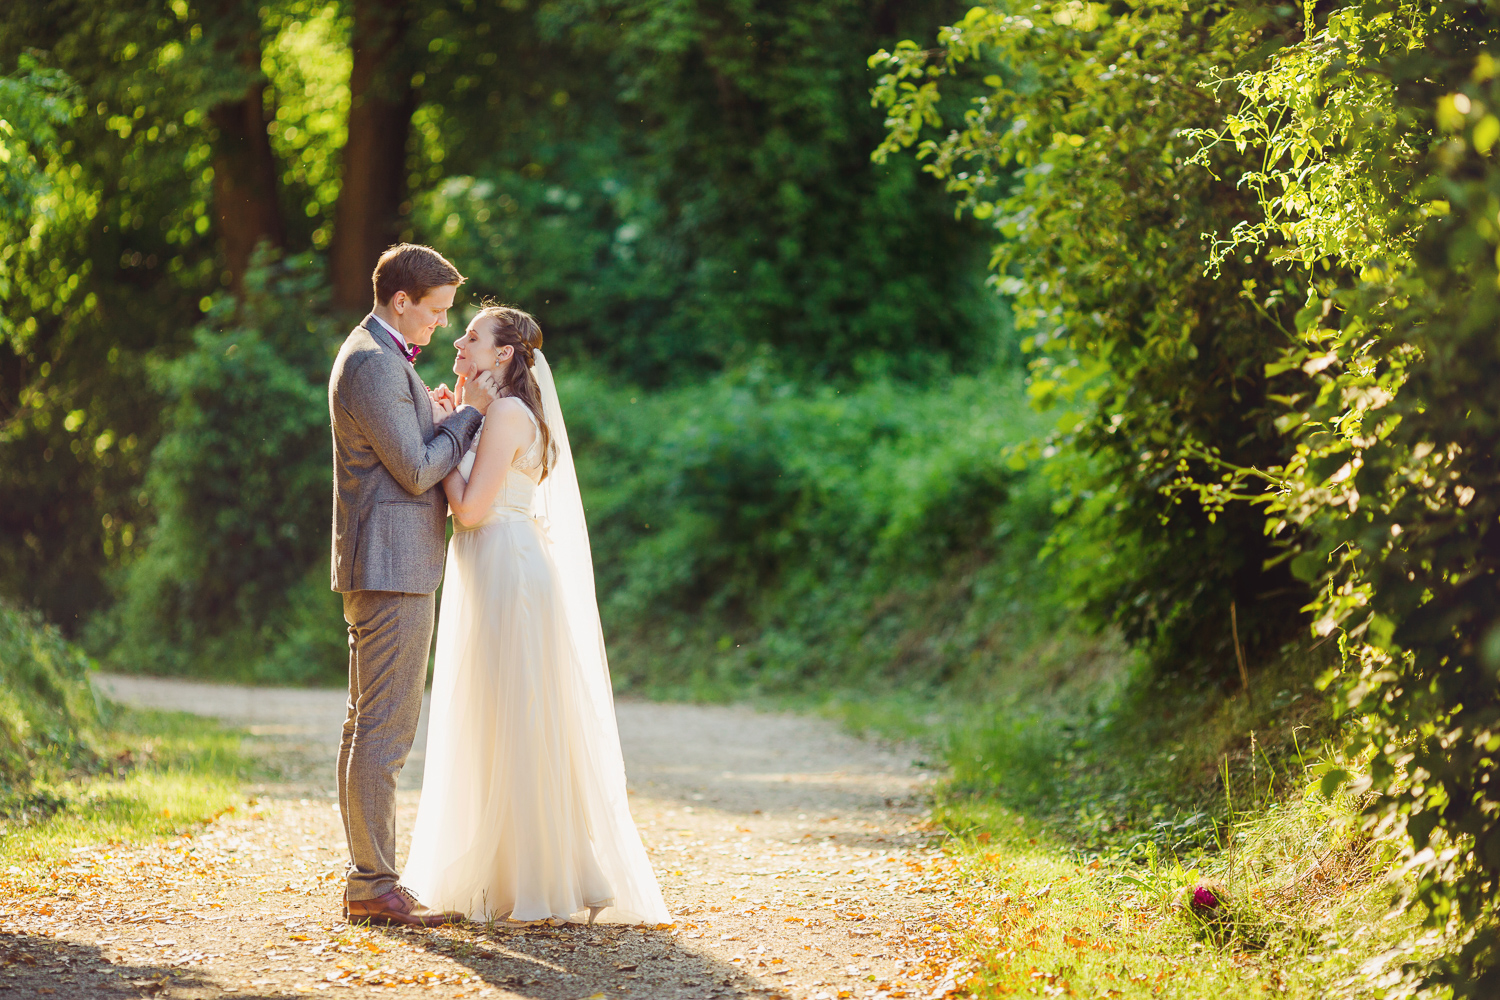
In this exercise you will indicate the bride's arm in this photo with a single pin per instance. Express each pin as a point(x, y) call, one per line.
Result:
point(453, 484)
point(507, 430)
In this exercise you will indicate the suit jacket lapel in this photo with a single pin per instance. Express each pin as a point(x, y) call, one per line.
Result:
point(383, 337)
point(419, 400)
point(387, 343)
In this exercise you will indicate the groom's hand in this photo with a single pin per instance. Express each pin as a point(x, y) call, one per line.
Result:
point(483, 391)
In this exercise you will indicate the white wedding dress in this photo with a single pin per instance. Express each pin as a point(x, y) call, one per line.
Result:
point(523, 811)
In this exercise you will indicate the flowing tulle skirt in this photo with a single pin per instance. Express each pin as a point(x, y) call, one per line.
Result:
point(523, 811)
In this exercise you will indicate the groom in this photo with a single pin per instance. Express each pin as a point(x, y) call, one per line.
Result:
point(393, 442)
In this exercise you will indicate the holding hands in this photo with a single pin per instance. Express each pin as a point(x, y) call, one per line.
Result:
point(443, 403)
point(479, 393)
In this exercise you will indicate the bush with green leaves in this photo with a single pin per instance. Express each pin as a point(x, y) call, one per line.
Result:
point(1379, 193)
point(1075, 152)
point(233, 580)
point(48, 712)
point(1350, 151)
point(750, 534)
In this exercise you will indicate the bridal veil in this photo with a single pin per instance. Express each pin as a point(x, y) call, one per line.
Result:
point(559, 505)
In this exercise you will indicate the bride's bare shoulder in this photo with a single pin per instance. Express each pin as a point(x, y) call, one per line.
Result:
point(506, 418)
point(508, 410)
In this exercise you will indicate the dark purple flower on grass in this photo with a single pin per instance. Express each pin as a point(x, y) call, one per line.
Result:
point(1204, 898)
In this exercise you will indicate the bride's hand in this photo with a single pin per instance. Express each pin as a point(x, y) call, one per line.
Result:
point(442, 404)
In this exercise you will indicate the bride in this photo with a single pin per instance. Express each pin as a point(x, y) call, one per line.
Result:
point(523, 811)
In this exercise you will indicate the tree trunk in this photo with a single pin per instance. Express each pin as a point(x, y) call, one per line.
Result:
point(245, 170)
point(245, 179)
point(374, 167)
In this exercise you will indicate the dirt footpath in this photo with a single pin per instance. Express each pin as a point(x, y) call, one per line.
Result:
point(795, 860)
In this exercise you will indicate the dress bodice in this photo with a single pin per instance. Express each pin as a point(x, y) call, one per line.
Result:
point(517, 492)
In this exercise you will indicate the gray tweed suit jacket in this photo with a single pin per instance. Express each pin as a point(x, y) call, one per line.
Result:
point(389, 460)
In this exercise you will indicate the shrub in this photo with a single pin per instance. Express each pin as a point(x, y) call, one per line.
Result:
point(48, 712)
point(751, 534)
point(233, 581)
point(1077, 153)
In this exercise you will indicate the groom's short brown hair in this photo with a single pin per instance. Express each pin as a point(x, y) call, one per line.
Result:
point(413, 269)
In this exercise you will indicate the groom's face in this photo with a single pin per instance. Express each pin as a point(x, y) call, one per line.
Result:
point(417, 319)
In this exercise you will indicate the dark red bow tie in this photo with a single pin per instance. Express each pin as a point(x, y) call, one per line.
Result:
point(409, 351)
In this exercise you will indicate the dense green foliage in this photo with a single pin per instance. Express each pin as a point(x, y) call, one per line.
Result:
point(1079, 158)
point(672, 191)
point(749, 532)
point(1347, 165)
point(751, 536)
point(110, 267)
point(48, 716)
point(1250, 247)
point(720, 203)
point(33, 105)
point(235, 580)
point(1396, 459)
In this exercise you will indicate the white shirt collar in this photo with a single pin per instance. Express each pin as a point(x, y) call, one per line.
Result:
point(393, 332)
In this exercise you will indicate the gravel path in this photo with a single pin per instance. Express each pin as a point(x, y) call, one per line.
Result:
point(795, 859)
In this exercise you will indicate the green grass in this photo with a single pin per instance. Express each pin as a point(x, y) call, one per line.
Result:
point(76, 770)
point(1039, 920)
point(1085, 804)
point(159, 774)
point(48, 713)
point(1121, 761)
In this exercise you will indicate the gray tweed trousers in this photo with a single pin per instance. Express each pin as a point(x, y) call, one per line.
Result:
point(389, 638)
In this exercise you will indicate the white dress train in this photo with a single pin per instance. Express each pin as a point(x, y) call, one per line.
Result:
point(523, 811)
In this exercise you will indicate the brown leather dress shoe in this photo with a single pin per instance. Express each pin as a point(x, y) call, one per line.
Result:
point(396, 908)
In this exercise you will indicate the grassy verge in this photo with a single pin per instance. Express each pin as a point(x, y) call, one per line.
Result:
point(77, 771)
point(1291, 922)
point(1086, 810)
point(157, 774)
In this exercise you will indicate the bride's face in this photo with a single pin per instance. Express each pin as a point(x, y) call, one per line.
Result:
point(476, 349)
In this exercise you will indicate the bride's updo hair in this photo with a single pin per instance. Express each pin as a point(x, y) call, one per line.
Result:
point(509, 325)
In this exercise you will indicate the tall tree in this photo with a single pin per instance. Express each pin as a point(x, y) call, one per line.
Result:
point(245, 200)
point(382, 100)
point(106, 274)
